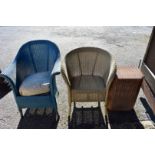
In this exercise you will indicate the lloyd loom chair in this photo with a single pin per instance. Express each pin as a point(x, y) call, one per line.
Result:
point(88, 73)
point(32, 75)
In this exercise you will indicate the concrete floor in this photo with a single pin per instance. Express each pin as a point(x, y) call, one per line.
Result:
point(126, 44)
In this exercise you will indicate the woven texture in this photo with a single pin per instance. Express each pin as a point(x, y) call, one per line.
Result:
point(124, 89)
point(32, 58)
point(88, 88)
point(88, 61)
point(88, 72)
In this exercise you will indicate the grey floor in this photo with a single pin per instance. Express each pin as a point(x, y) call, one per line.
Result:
point(126, 44)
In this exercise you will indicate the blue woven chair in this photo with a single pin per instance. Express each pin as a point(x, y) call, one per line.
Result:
point(34, 57)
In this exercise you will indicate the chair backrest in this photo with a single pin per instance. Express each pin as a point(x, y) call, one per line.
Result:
point(88, 61)
point(35, 56)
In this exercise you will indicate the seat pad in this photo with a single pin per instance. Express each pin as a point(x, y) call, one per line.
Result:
point(35, 84)
point(88, 88)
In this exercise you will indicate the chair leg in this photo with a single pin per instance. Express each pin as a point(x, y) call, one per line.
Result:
point(55, 110)
point(99, 104)
point(106, 116)
point(21, 112)
point(57, 94)
point(74, 104)
point(69, 111)
point(56, 116)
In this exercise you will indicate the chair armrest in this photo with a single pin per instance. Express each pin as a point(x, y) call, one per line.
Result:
point(112, 73)
point(109, 81)
point(9, 75)
point(56, 68)
point(110, 78)
point(65, 74)
point(55, 71)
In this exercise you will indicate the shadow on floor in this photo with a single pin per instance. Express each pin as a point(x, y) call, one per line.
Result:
point(36, 121)
point(87, 118)
point(148, 109)
point(124, 120)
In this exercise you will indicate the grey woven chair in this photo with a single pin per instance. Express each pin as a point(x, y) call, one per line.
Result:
point(88, 73)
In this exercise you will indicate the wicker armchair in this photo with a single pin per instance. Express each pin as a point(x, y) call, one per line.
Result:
point(39, 56)
point(88, 73)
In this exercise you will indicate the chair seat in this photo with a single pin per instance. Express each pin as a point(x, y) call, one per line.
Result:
point(35, 84)
point(88, 88)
